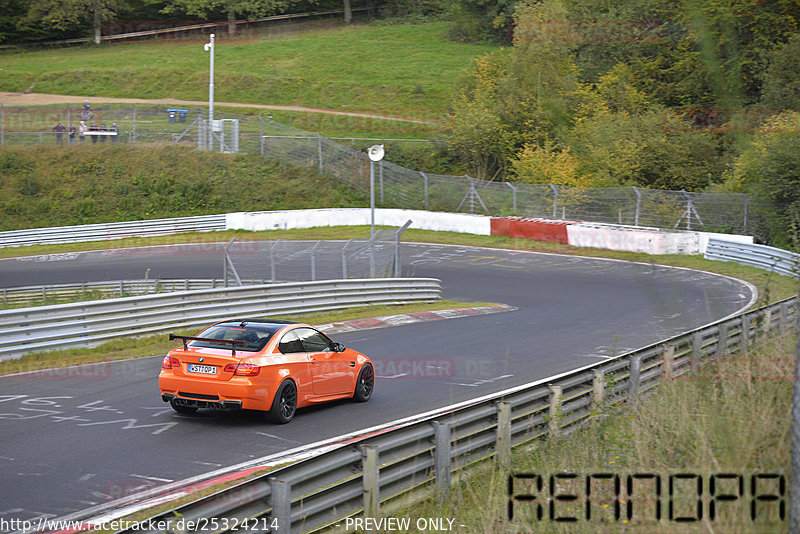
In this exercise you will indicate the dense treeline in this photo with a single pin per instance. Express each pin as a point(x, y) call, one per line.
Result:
point(671, 94)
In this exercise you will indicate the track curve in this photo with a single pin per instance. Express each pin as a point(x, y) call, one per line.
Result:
point(72, 440)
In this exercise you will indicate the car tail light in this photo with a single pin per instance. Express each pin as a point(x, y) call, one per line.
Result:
point(230, 368)
point(170, 363)
point(247, 369)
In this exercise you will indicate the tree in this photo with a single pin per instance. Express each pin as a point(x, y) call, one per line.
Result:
point(250, 8)
point(770, 168)
point(62, 14)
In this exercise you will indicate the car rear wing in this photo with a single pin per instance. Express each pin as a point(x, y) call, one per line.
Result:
point(209, 340)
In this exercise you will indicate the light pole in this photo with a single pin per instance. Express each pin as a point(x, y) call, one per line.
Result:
point(209, 47)
point(375, 153)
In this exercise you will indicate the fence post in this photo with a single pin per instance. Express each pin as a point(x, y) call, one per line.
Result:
point(635, 380)
point(2, 124)
point(370, 479)
point(272, 267)
point(344, 259)
point(314, 261)
point(554, 423)
point(555, 200)
point(668, 362)
point(441, 457)
point(503, 438)
point(598, 390)
point(513, 195)
point(425, 181)
point(261, 133)
point(638, 205)
point(319, 151)
point(281, 497)
point(133, 140)
point(722, 344)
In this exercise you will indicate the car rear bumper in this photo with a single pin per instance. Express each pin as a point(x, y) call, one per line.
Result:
point(228, 395)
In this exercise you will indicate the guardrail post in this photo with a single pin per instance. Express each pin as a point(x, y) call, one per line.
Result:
point(503, 439)
point(281, 497)
point(598, 390)
point(745, 335)
point(767, 321)
point(696, 354)
point(370, 479)
point(554, 422)
point(635, 380)
point(441, 457)
point(667, 363)
point(784, 317)
point(722, 343)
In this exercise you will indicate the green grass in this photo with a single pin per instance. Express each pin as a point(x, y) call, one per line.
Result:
point(732, 417)
point(107, 183)
point(159, 344)
point(408, 70)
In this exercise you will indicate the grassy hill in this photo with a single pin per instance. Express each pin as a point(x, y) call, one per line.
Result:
point(92, 184)
point(407, 70)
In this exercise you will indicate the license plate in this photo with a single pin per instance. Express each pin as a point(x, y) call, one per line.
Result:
point(202, 369)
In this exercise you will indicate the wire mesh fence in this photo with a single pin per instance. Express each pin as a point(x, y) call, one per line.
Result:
point(396, 186)
point(289, 261)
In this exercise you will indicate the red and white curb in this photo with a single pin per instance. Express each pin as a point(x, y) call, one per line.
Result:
point(409, 318)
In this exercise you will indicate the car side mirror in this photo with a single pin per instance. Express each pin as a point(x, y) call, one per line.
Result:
point(338, 347)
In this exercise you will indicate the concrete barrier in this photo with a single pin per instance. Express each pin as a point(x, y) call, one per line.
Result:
point(536, 229)
point(294, 219)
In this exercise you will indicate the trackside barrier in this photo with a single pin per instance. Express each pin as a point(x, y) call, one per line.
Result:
point(87, 324)
point(413, 459)
point(109, 231)
point(106, 289)
point(772, 259)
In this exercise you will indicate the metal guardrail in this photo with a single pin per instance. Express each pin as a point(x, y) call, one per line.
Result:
point(87, 324)
point(108, 231)
point(410, 459)
point(108, 289)
point(771, 259)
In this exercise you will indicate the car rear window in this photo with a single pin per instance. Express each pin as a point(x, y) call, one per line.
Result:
point(253, 337)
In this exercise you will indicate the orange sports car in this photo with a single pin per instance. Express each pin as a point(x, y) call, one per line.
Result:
point(272, 366)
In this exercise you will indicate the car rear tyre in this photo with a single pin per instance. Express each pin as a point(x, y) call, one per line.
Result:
point(285, 403)
point(364, 384)
point(182, 409)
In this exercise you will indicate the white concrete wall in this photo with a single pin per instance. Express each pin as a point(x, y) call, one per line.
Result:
point(423, 220)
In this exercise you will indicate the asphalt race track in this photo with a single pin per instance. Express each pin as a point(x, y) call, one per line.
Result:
point(73, 439)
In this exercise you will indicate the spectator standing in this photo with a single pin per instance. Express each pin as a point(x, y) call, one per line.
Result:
point(87, 110)
point(59, 129)
point(72, 131)
point(115, 132)
point(93, 128)
point(82, 129)
point(102, 128)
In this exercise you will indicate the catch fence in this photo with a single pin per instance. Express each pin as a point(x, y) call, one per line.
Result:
point(395, 186)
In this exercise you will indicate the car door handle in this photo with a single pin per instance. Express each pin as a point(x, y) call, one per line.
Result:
point(352, 364)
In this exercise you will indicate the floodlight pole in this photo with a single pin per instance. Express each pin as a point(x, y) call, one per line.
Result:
point(375, 153)
point(209, 47)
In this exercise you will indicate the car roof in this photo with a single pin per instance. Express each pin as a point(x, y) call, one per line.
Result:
point(275, 323)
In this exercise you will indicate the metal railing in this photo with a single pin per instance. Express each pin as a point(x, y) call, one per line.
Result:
point(109, 231)
point(15, 296)
point(87, 324)
point(772, 259)
point(412, 458)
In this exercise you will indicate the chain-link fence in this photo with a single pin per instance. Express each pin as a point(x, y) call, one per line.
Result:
point(289, 261)
point(395, 186)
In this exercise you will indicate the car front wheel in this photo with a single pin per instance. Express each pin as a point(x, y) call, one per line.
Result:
point(365, 383)
point(284, 404)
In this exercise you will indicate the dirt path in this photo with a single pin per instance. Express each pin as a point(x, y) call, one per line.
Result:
point(41, 99)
